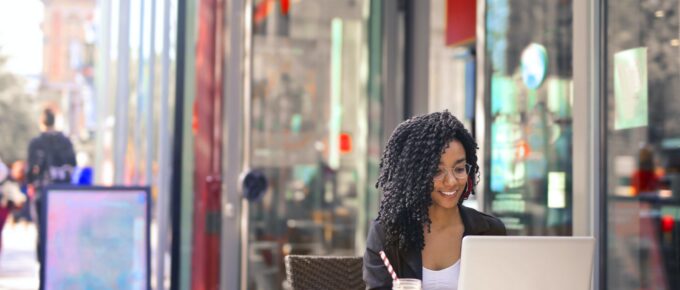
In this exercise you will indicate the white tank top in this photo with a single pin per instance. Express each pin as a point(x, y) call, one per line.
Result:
point(444, 279)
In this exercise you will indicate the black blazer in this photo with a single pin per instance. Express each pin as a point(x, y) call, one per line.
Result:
point(410, 264)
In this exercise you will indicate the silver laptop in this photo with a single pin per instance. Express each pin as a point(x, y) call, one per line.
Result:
point(526, 263)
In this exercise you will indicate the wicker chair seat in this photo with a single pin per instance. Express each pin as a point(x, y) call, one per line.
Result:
point(324, 272)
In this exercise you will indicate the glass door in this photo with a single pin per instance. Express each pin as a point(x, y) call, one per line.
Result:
point(529, 73)
point(642, 139)
point(309, 128)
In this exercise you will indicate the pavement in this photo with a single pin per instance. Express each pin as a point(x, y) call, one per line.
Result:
point(18, 265)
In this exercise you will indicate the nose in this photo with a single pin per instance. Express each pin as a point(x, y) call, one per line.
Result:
point(449, 179)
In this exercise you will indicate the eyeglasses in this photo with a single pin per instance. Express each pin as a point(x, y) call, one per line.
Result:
point(459, 172)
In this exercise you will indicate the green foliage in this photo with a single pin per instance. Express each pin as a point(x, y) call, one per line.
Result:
point(17, 121)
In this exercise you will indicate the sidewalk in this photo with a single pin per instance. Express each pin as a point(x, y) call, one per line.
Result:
point(18, 265)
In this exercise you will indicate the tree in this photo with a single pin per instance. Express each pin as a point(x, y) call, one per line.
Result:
point(17, 117)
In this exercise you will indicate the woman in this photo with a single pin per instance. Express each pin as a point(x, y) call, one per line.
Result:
point(428, 168)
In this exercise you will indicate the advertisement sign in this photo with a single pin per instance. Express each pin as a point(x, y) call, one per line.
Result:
point(95, 238)
point(461, 21)
point(630, 88)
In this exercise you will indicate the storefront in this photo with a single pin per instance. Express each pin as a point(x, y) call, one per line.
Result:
point(582, 93)
point(571, 101)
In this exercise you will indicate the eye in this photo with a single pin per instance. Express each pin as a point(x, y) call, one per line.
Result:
point(439, 172)
point(460, 170)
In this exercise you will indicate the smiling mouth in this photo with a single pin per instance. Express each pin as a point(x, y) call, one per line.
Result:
point(449, 193)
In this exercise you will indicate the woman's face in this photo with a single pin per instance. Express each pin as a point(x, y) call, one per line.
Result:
point(451, 176)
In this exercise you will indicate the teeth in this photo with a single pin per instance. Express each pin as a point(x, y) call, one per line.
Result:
point(449, 193)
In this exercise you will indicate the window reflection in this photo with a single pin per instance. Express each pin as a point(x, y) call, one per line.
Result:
point(528, 47)
point(310, 133)
point(643, 152)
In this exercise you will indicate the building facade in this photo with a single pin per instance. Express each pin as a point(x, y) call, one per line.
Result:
point(571, 101)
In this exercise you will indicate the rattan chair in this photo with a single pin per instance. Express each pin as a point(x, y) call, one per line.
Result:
point(324, 273)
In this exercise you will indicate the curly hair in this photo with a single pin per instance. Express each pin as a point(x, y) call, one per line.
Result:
point(407, 168)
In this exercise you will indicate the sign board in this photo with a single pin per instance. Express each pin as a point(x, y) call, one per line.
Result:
point(630, 88)
point(461, 22)
point(95, 238)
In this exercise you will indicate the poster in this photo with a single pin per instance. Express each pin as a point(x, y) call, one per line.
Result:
point(630, 88)
point(96, 238)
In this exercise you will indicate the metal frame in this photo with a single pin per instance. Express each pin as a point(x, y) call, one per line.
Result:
point(232, 275)
point(186, 94)
point(247, 86)
point(588, 151)
point(164, 158)
point(102, 79)
point(207, 116)
point(416, 57)
point(122, 92)
point(481, 103)
point(143, 111)
point(177, 149)
point(599, 206)
point(393, 67)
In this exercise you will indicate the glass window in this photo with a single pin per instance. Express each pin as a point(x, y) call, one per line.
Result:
point(642, 144)
point(529, 77)
point(312, 98)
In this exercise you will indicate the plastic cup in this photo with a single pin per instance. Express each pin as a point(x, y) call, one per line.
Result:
point(407, 284)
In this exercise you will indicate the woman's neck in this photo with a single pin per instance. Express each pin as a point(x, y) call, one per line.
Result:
point(444, 217)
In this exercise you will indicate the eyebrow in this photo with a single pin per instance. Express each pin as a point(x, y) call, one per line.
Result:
point(457, 162)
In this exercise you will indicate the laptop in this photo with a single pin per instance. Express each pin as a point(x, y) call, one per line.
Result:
point(526, 263)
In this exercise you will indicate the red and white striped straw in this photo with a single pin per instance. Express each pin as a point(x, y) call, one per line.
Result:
point(389, 266)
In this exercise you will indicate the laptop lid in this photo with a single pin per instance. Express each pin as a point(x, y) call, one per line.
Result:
point(526, 263)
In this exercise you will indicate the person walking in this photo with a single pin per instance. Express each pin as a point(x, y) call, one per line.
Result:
point(51, 160)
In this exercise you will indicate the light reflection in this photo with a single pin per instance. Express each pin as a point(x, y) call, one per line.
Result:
point(665, 193)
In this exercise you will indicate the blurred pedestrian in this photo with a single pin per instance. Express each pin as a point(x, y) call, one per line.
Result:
point(10, 196)
point(51, 160)
point(18, 175)
point(644, 179)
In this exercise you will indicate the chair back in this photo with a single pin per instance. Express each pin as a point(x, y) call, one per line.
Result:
point(324, 272)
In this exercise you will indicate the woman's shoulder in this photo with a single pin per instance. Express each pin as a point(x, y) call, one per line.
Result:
point(376, 228)
point(485, 223)
point(376, 235)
